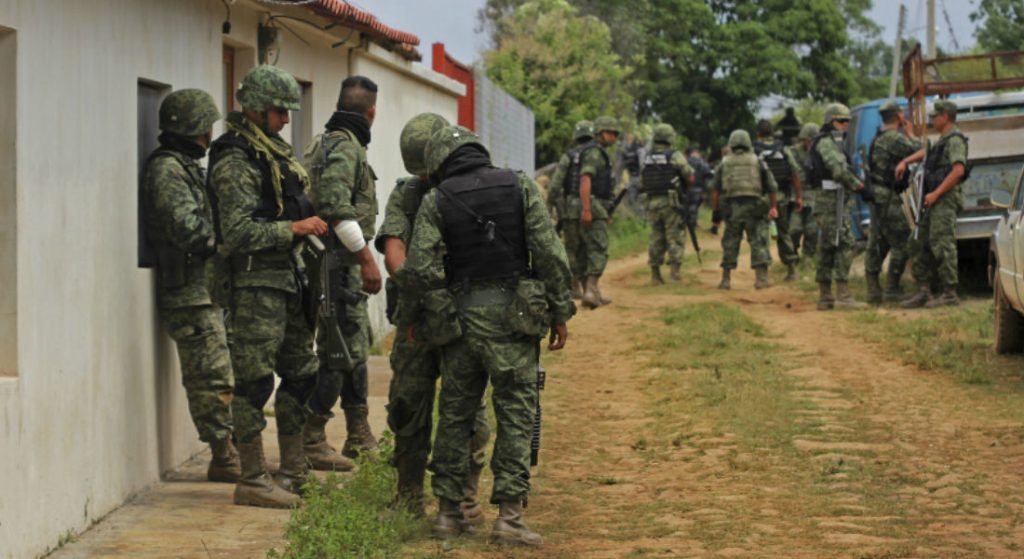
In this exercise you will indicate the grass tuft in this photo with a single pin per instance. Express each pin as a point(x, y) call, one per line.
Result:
point(626, 236)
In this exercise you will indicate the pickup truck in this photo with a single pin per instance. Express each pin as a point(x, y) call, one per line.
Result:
point(1006, 268)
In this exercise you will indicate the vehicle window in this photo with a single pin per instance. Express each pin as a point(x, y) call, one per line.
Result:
point(986, 177)
point(1018, 201)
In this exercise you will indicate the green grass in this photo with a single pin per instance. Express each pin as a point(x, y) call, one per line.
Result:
point(626, 236)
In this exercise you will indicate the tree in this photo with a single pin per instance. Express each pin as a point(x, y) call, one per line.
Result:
point(560, 64)
point(1002, 25)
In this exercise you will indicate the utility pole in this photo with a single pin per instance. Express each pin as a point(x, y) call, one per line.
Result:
point(931, 29)
point(896, 52)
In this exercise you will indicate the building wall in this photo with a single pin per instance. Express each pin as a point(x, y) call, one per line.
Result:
point(93, 410)
point(505, 125)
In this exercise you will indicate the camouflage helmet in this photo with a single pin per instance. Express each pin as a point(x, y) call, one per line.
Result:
point(836, 111)
point(583, 130)
point(266, 87)
point(663, 133)
point(188, 112)
point(739, 139)
point(608, 123)
point(808, 131)
point(444, 142)
point(414, 137)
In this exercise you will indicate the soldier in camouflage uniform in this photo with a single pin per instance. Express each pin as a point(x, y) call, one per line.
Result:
point(558, 201)
point(665, 177)
point(802, 226)
point(786, 171)
point(833, 176)
point(179, 223)
point(502, 285)
point(935, 256)
point(890, 232)
point(345, 196)
point(743, 193)
point(589, 195)
point(702, 177)
point(262, 215)
point(416, 366)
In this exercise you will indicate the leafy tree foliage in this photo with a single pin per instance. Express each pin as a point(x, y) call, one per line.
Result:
point(1002, 25)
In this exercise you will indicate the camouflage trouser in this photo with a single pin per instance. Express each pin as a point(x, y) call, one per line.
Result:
point(466, 366)
point(784, 242)
point(415, 369)
point(666, 231)
point(745, 215)
point(834, 260)
point(587, 247)
point(803, 229)
point(269, 334)
point(889, 235)
point(205, 366)
point(354, 322)
point(935, 254)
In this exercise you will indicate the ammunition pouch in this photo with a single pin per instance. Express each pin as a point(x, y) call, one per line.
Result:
point(439, 322)
point(528, 312)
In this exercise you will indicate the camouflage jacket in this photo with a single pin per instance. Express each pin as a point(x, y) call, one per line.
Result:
point(887, 150)
point(835, 163)
point(590, 163)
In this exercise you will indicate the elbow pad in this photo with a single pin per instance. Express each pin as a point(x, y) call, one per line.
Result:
point(350, 235)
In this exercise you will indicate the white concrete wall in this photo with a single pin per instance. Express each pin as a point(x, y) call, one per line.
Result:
point(96, 410)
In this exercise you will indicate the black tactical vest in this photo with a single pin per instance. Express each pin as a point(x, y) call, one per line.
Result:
point(814, 166)
point(484, 229)
point(600, 184)
point(658, 172)
point(774, 156)
point(934, 173)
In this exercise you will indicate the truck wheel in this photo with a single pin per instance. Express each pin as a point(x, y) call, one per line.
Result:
point(1009, 322)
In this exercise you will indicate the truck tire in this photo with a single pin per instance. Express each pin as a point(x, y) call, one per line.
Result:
point(1009, 322)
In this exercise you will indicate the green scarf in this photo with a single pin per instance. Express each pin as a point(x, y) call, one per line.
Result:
point(271, 150)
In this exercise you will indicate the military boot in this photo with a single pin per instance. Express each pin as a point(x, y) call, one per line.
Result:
point(577, 289)
point(255, 487)
point(472, 512)
point(448, 523)
point(874, 290)
point(600, 297)
point(762, 281)
point(725, 283)
point(224, 465)
point(590, 297)
point(410, 485)
point(294, 470)
point(892, 293)
point(656, 278)
point(825, 300)
point(320, 454)
point(673, 272)
point(844, 299)
point(946, 298)
point(918, 299)
point(510, 529)
point(790, 272)
point(360, 438)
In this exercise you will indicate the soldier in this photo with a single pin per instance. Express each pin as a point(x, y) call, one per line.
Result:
point(504, 285)
point(935, 256)
point(786, 171)
point(558, 195)
point(789, 125)
point(750, 201)
point(830, 172)
point(345, 196)
point(665, 177)
point(889, 229)
point(701, 176)
point(262, 215)
point(179, 223)
point(632, 153)
point(416, 365)
point(802, 226)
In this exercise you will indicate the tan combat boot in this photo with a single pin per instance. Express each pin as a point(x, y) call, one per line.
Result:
point(320, 454)
point(360, 438)
point(656, 278)
point(673, 272)
point(510, 529)
point(874, 289)
point(918, 299)
point(725, 283)
point(946, 298)
point(762, 281)
point(448, 523)
point(472, 512)
point(790, 272)
point(600, 297)
point(892, 293)
point(844, 299)
point(294, 470)
point(255, 487)
point(825, 300)
point(590, 298)
point(577, 289)
point(224, 465)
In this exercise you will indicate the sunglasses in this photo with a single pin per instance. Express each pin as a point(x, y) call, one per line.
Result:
point(843, 120)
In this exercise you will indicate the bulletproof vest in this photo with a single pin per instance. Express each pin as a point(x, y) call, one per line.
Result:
point(631, 159)
point(934, 173)
point(774, 157)
point(882, 170)
point(483, 226)
point(412, 189)
point(741, 175)
point(815, 165)
point(196, 177)
point(600, 184)
point(658, 172)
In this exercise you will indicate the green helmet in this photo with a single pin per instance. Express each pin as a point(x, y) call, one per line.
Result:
point(414, 137)
point(739, 139)
point(584, 130)
point(444, 142)
point(664, 133)
point(808, 131)
point(836, 111)
point(606, 123)
point(266, 87)
point(188, 112)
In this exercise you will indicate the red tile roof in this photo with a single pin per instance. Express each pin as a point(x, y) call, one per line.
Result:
point(368, 24)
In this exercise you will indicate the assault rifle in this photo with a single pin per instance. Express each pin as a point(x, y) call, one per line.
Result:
point(684, 211)
point(338, 355)
point(617, 201)
point(535, 439)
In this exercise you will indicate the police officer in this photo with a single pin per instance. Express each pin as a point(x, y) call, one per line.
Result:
point(505, 284)
point(935, 257)
point(802, 225)
point(745, 184)
point(345, 196)
point(179, 223)
point(889, 229)
point(262, 216)
point(416, 366)
point(560, 196)
point(665, 176)
point(786, 171)
point(831, 173)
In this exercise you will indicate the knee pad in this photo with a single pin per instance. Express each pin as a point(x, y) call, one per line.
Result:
point(256, 392)
point(301, 389)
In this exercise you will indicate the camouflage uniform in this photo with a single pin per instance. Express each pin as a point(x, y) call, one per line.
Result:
point(558, 199)
point(802, 225)
point(588, 243)
point(890, 232)
point(744, 184)
point(786, 204)
point(664, 181)
point(834, 259)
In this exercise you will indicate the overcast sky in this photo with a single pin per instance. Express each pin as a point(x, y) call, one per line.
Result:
point(886, 13)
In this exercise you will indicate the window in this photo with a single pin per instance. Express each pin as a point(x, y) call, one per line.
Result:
point(302, 121)
point(150, 95)
point(8, 205)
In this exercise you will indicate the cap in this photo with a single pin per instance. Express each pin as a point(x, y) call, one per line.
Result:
point(944, 106)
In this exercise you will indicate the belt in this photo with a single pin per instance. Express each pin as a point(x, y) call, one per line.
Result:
point(260, 262)
point(831, 185)
point(487, 297)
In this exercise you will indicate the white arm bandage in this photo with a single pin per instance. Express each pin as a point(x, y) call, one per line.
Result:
point(350, 235)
